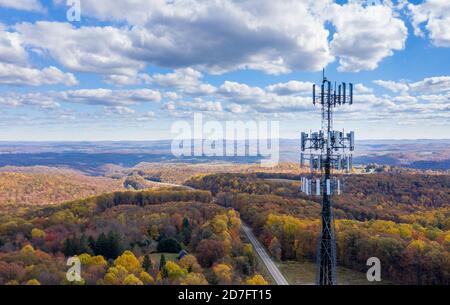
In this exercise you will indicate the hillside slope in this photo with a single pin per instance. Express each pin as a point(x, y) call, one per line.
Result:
point(51, 187)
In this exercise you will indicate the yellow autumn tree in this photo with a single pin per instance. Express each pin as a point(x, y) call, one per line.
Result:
point(27, 249)
point(224, 273)
point(37, 233)
point(417, 245)
point(257, 279)
point(234, 220)
point(174, 271)
point(219, 223)
point(131, 279)
point(33, 282)
point(87, 260)
point(129, 261)
point(190, 263)
point(115, 275)
point(447, 239)
point(146, 278)
point(194, 278)
point(154, 232)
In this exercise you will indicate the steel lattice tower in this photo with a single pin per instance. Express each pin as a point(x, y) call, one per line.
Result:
point(327, 152)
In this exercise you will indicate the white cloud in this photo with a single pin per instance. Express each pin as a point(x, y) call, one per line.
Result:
point(125, 80)
point(201, 89)
point(15, 70)
point(236, 109)
point(29, 99)
point(233, 99)
point(110, 97)
point(21, 76)
point(429, 85)
point(23, 5)
point(169, 106)
point(103, 50)
point(11, 49)
point(291, 87)
point(123, 112)
point(365, 35)
point(239, 98)
point(436, 98)
point(188, 108)
point(260, 100)
point(407, 99)
point(104, 97)
point(148, 116)
point(186, 80)
point(287, 104)
point(119, 110)
point(180, 78)
point(173, 96)
point(240, 92)
point(435, 15)
point(219, 36)
point(437, 84)
point(214, 36)
point(199, 104)
point(361, 89)
point(392, 85)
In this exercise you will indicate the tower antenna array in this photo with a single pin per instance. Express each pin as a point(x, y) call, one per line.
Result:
point(327, 151)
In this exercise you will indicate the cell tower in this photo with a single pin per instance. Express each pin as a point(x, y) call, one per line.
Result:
point(327, 151)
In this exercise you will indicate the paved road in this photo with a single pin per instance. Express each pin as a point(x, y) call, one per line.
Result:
point(174, 185)
point(273, 269)
point(270, 265)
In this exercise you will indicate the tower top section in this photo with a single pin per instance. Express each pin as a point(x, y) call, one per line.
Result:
point(333, 95)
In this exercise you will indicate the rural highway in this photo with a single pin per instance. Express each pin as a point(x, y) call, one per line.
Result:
point(174, 185)
point(273, 269)
point(268, 262)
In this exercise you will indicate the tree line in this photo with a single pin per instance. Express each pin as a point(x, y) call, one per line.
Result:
point(143, 198)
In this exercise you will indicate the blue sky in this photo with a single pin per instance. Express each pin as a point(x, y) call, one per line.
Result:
point(128, 71)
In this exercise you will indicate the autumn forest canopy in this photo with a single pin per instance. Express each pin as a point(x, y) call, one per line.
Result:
point(401, 219)
point(193, 235)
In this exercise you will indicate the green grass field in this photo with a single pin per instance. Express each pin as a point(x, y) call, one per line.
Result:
point(304, 273)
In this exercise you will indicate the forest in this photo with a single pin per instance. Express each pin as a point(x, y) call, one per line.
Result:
point(404, 221)
point(130, 238)
point(192, 234)
point(42, 185)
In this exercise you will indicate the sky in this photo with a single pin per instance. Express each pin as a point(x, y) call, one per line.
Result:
point(128, 70)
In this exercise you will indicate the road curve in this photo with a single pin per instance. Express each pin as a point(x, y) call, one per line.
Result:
point(273, 269)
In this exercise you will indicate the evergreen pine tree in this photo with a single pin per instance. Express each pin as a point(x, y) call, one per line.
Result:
point(162, 262)
point(84, 245)
point(114, 245)
point(186, 231)
point(91, 242)
point(101, 245)
point(69, 247)
point(147, 263)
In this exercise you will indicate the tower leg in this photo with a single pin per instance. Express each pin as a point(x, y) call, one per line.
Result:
point(326, 255)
